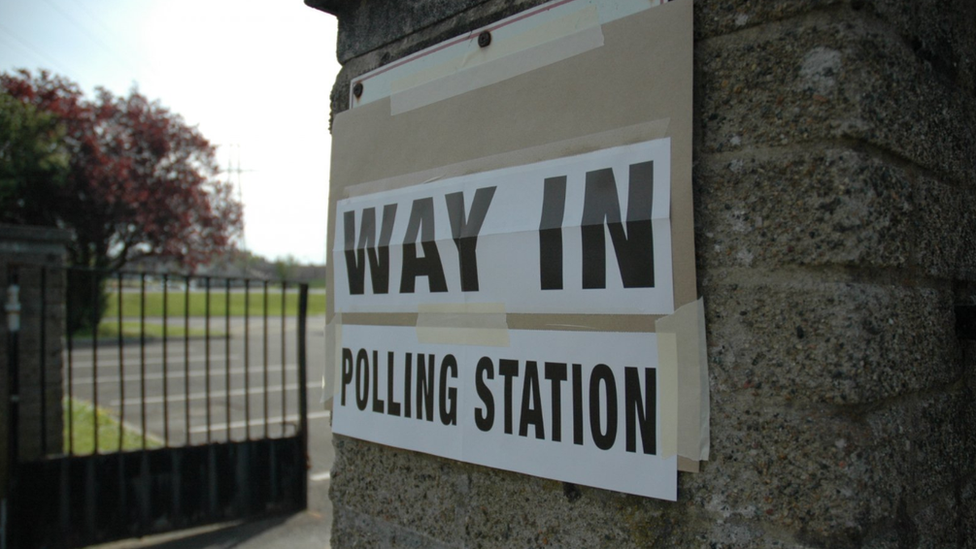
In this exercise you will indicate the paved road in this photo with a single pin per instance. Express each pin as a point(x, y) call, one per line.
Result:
point(244, 385)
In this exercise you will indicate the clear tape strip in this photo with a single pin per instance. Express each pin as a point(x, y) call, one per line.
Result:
point(683, 359)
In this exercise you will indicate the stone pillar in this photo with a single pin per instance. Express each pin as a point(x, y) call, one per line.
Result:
point(29, 251)
point(835, 215)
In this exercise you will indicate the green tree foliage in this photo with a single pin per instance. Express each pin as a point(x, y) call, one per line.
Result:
point(285, 267)
point(33, 161)
point(126, 176)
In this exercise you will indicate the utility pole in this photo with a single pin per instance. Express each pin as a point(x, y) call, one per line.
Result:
point(234, 152)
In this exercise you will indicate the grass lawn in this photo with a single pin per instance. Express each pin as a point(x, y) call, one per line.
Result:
point(83, 417)
point(176, 303)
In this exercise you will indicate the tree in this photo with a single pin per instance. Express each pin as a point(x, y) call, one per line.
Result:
point(30, 150)
point(285, 267)
point(138, 182)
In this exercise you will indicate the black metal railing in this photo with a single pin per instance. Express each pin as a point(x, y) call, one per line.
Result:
point(135, 401)
point(158, 360)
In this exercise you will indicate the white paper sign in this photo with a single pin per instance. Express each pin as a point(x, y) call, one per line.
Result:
point(578, 407)
point(581, 234)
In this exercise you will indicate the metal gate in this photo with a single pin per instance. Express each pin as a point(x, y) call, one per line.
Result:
point(185, 404)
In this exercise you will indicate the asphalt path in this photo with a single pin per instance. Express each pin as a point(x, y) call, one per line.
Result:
point(240, 383)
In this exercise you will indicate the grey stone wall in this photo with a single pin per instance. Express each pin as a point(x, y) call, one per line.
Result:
point(835, 191)
point(26, 251)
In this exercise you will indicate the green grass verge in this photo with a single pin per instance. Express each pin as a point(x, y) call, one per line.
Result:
point(176, 305)
point(83, 417)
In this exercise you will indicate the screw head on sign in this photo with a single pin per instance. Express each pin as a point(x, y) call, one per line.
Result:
point(484, 39)
point(357, 90)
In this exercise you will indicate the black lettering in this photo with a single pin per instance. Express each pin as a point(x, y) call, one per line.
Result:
point(603, 373)
point(577, 404)
point(531, 413)
point(635, 248)
point(448, 413)
point(484, 419)
point(377, 403)
point(346, 372)
point(641, 413)
point(362, 385)
point(407, 381)
point(551, 233)
point(556, 373)
point(421, 224)
point(425, 386)
point(465, 232)
point(508, 368)
point(393, 406)
point(379, 256)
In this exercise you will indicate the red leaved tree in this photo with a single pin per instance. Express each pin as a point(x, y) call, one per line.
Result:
point(140, 182)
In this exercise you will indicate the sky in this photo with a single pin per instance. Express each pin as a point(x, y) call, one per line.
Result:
point(253, 76)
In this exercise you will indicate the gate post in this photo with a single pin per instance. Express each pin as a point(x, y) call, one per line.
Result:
point(33, 250)
point(9, 396)
point(34, 255)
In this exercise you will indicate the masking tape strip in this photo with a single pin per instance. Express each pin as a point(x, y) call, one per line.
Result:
point(463, 324)
point(682, 353)
point(473, 56)
point(378, 83)
point(667, 378)
point(333, 356)
point(686, 465)
point(549, 43)
point(706, 411)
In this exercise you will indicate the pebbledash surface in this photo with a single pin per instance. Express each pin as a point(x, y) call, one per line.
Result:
point(833, 227)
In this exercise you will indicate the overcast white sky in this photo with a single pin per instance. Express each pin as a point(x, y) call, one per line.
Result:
point(253, 75)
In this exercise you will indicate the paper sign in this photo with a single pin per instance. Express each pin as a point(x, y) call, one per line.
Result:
point(507, 224)
point(579, 407)
point(583, 234)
